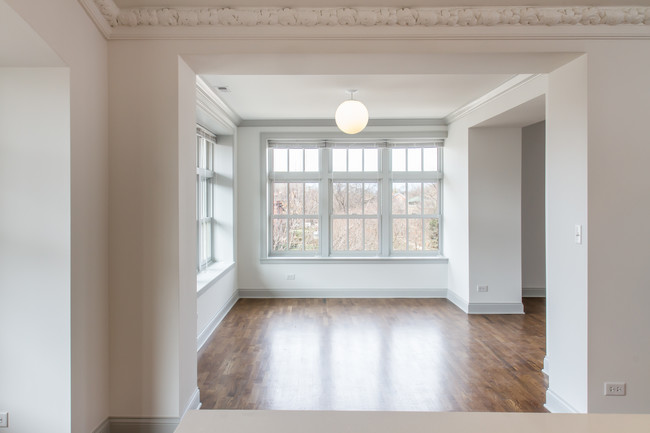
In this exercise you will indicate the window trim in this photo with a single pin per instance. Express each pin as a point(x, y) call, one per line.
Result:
point(210, 175)
point(328, 139)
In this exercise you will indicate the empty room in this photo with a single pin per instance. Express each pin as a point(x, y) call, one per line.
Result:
point(348, 216)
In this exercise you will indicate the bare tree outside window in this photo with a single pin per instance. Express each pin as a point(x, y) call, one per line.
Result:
point(374, 198)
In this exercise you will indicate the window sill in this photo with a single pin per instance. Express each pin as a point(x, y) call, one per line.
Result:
point(213, 273)
point(355, 260)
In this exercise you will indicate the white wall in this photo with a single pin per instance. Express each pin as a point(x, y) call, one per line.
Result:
point(618, 277)
point(533, 235)
point(187, 310)
point(495, 216)
point(566, 262)
point(65, 30)
point(147, 274)
point(464, 196)
point(35, 249)
point(259, 278)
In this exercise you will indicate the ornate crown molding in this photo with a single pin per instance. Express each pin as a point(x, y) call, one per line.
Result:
point(369, 17)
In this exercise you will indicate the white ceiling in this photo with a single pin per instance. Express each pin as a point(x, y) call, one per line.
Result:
point(372, 3)
point(423, 96)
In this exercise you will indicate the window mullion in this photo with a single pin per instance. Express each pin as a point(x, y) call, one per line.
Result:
point(384, 193)
point(324, 205)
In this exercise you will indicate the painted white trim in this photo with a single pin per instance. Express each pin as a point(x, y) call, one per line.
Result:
point(510, 85)
point(457, 301)
point(373, 16)
point(214, 272)
point(143, 425)
point(343, 293)
point(533, 292)
point(205, 334)
point(329, 123)
point(547, 366)
point(194, 403)
point(96, 15)
point(556, 404)
point(495, 308)
point(104, 427)
point(208, 100)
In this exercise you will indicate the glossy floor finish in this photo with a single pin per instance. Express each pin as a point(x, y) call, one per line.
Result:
point(374, 354)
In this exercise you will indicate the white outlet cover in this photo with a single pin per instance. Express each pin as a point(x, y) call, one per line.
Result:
point(615, 388)
point(4, 421)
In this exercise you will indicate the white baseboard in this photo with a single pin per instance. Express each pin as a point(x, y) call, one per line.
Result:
point(555, 404)
point(104, 427)
point(547, 366)
point(193, 403)
point(495, 308)
point(342, 293)
point(533, 292)
point(457, 301)
point(214, 322)
point(143, 425)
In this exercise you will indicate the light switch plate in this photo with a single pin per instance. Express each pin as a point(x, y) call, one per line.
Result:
point(4, 421)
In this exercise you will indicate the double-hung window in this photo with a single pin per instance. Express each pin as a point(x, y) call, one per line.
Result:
point(353, 198)
point(205, 181)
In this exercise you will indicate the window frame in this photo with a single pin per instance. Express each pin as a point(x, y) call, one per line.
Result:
point(208, 174)
point(326, 177)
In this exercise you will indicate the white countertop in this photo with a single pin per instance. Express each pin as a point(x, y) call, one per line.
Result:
point(227, 421)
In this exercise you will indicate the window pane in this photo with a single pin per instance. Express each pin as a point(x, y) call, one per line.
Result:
point(279, 159)
point(339, 198)
point(280, 199)
point(372, 234)
point(311, 199)
point(296, 204)
point(415, 198)
point(370, 160)
point(279, 240)
point(355, 198)
point(399, 234)
point(399, 159)
point(295, 234)
point(415, 234)
point(430, 159)
point(431, 234)
point(339, 234)
point(370, 199)
point(339, 159)
point(203, 194)
point(430, 198)
point(311, 160)
point(356, 234)
point(415, 159)
point(399, 199)
point(311, 234)
point(295, 160)
point(355, 159)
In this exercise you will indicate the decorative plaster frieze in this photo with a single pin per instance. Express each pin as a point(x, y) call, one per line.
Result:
point(368, 17)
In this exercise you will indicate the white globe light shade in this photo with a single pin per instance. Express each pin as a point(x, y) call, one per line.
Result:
point(351, 117)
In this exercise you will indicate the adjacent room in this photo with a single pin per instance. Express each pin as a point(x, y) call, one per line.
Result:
point(355, 223)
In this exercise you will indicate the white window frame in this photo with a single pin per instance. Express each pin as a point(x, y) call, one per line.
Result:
point(325, 178)
point(205, 245)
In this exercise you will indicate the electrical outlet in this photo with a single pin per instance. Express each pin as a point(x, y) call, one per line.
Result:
point(291, 276)
point(4, 419)
point(482, 288)
point(614, 388)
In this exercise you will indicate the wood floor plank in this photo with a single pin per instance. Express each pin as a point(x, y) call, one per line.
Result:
point(374, 354)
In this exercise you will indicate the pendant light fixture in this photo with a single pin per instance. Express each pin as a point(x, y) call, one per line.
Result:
point(351, 116)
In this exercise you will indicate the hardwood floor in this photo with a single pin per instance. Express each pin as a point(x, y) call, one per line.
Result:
point(374, 354)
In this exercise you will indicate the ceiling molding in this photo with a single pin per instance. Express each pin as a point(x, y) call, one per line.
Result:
point(368, 16)
point(510, 85)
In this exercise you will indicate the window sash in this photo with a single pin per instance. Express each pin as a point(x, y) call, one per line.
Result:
point(326, 177)
point(205, 182)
